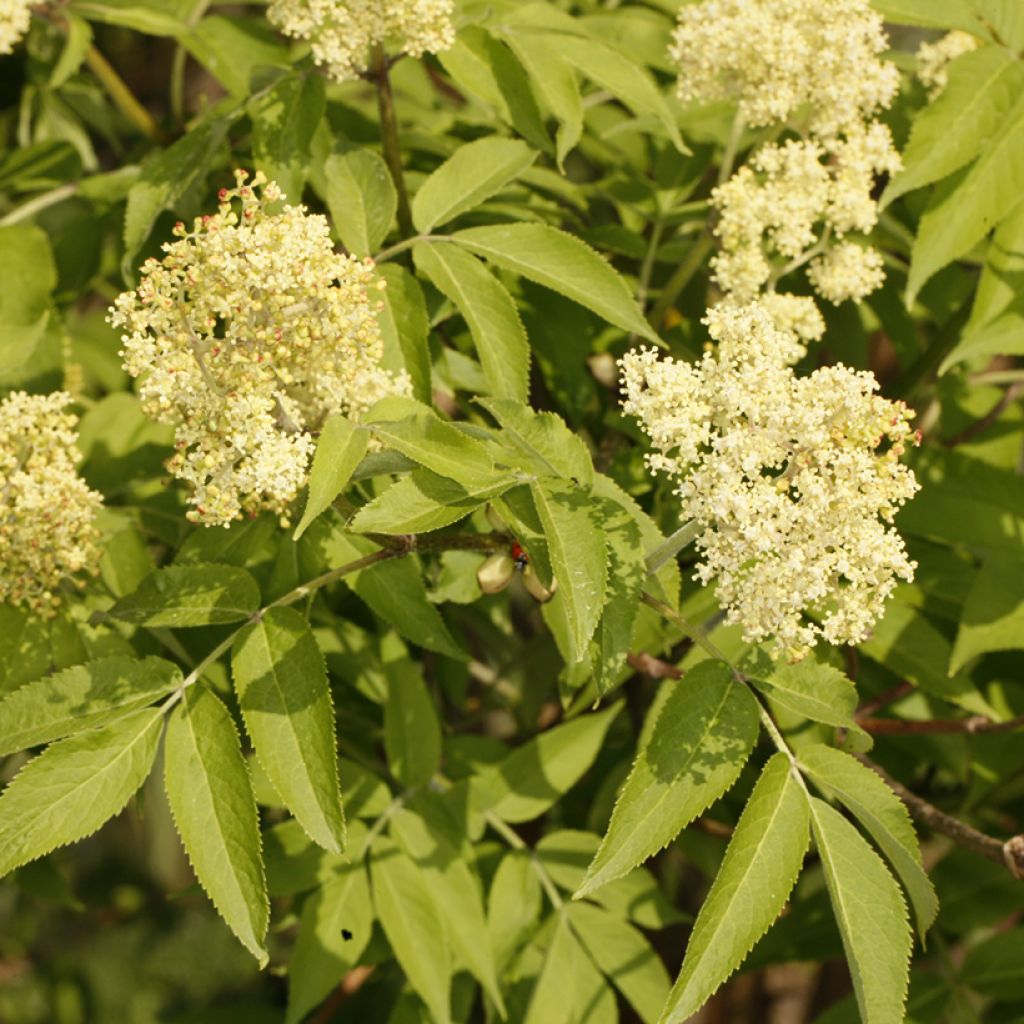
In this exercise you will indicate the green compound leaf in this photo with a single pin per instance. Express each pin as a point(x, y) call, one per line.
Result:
point(757, 875)
point(80, 698)
point(214, 810)
point(200, 594)
point(339, 450)
point(489, 311)
point(884, 816)
point(530, 779)
point(361, 197)
point(871, 915)
point(74, 786)
point(564, 264)
point(402, 895)
point(697, 747)
point(579, 559)
point(809, 688)
point(286, 705)
point(472, 174)
point(334, 930)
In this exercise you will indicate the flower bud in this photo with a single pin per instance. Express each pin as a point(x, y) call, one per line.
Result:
point(496, 573)
point(536, 588)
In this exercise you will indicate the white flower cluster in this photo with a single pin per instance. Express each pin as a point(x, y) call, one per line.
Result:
point(342, 32)
point(815, 69)
point(933, 59)
point(245, 336)
point(14, 21)
point(47, 512)
point(794, 480)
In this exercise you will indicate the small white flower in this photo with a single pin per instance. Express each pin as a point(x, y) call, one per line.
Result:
point(15, 16)
point(933, 59)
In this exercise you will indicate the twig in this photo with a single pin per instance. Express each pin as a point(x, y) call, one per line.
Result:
point(1008, 397)
point(1009, 852)
point(972, 725)
point(348, 986)
point(653, 667)
point(890, 696)
point(389, 137)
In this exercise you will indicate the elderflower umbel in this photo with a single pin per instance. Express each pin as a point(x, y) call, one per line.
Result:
point(793, 480)
point(933, 59)
point(47, 513)
point(341, 32)
point(775, 57)
point(14, 21)
point(245, 336)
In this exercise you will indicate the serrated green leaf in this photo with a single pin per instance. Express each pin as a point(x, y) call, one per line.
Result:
point(404, 328)
point(74, 786)
point(361, 198)
point(334, 930)
point(579, 559)
point(871, 915)
point(339, 449)
point(80, 698)
point(411, 921)
point(439, 447)
point(286, 705)
point(959, 218)
point(199, 594)
point(883, 814)
point(530, 779)
point(760, 869)
point(489, 312)
point(624, 956)
point(564, 264)
point(545, 438)
point(810, 688)
point(214, 810)
point(983, 87)
point(433, 843)
point(424, 501)
point(412, 732)
point(471, 175)
point(697, 747)
point(993, 615)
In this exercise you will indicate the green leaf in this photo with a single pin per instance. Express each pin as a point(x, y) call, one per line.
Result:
point(564, 264)
point(809, 688)
point(624, 956)
point(697, 747)
point(334, 930)
point(200, 594)
point(361, 197)
point(214, 811)
point(284, 123)
point(530, 779)
point(983, 87)
point(29, 273)
point(404, 328)
point(439, 447)
point(883, 814)
point(472, 174)
point(413, 925)
point(489, 312)
point(424, 501)
point(339, 449)
point(993, 966)
point(412, 732)
point(871, 915)
point(757, 875)
point(958, 218)
point(945, 14)
point(432, 840)
point(81, 697)
point(551, 448)
point(74, 786)
point(514, 906)
point(286, 705)
point(139, 17)
point(993, 615)
point(579, 559)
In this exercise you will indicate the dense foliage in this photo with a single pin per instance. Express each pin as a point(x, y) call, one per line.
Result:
point(511, 510)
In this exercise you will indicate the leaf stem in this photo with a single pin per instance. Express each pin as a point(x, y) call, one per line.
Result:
point(389, 136)
point(681, 278)
point(517, 843)
point(124, 99)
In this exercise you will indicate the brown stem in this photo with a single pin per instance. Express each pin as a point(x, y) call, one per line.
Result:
point(972, 725)
point(969, 433)
point(389, 137)
point(653, 667)
point(1009, 852)
point(890, 696)
point(348, 986)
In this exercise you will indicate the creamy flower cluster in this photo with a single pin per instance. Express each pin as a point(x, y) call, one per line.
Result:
point(813, 68)
point(794, 480)
point(47, 513)
point(342, 32)
point(14, 21)
point(933, 59)
point(245, 336)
